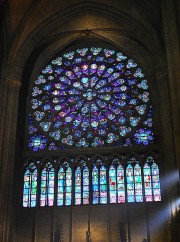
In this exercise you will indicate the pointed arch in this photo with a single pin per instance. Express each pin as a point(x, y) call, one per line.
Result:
point(30, 186)
point(47, 185)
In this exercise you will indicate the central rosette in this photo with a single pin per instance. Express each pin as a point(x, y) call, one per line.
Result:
point(89, 94)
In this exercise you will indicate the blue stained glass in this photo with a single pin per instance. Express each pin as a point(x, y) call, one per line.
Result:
point(138, 73)
point(143, 136)
point(134, 121)
point(30, 186)
point(148, 122)
point(120, 56)
point(95, 185)
point(61, 187)
point(95, 50)
point(120, 184)
point(85, 185)
point(131, 64)
point(138, 183)
point(103, 185)
point(78, 186)
point(147, 183)
point(82, 52)
point(68, 187)
point(85, 89)
point(130, 183)
point(37, 142)
point(155, 181)
point(112, 184)
point(69, 55)
point(47, 186)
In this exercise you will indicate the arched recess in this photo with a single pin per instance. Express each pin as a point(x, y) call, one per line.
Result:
point(49, 37)
point(100, 20)
point(99, 163)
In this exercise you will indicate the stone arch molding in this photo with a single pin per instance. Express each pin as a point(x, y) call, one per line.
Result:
point(63, 27)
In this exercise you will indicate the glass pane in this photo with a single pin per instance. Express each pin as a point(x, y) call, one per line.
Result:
point(95, 185)
point(138, 183)
point(120, 184)
point(61, 187)
point(156, 182)
point(130, 183)
point(68, 188)
point(85, 185)
point(147, 183)
point(47, 186)
point(30, 186)
point(78, 186)
point(112, 185)
point(103, 185)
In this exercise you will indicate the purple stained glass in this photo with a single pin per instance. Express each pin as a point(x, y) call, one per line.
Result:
point(89, 97)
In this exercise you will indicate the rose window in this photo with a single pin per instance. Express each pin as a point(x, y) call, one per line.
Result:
point(90, 97)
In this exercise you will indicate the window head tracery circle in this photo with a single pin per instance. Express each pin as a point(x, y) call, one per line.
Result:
point(90, 97)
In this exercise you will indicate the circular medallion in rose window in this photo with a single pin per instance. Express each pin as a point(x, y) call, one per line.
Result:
point(89, 97)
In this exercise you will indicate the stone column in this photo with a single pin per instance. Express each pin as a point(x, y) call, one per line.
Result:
point(172, 49)
point(170, 17)
point(8, 138)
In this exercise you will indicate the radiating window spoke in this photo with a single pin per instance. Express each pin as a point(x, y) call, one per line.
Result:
point(89, 100)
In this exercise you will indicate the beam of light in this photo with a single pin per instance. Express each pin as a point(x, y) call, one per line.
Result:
point(162, 216)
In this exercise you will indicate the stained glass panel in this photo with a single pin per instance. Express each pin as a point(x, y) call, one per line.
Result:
point(85, 185)
point(103, 185)
point(47, 186)
point(147, 183)
point(112, 184)
point(156, 182)
point(68, 187)
point(78, 186)
point(130, 183)
point(138, 183)
point(120, 184)
point(30, 186)
point(95, 185)
point(89, 97)
point(61, 187)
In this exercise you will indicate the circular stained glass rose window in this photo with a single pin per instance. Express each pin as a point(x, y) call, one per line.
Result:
point(89, 97)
